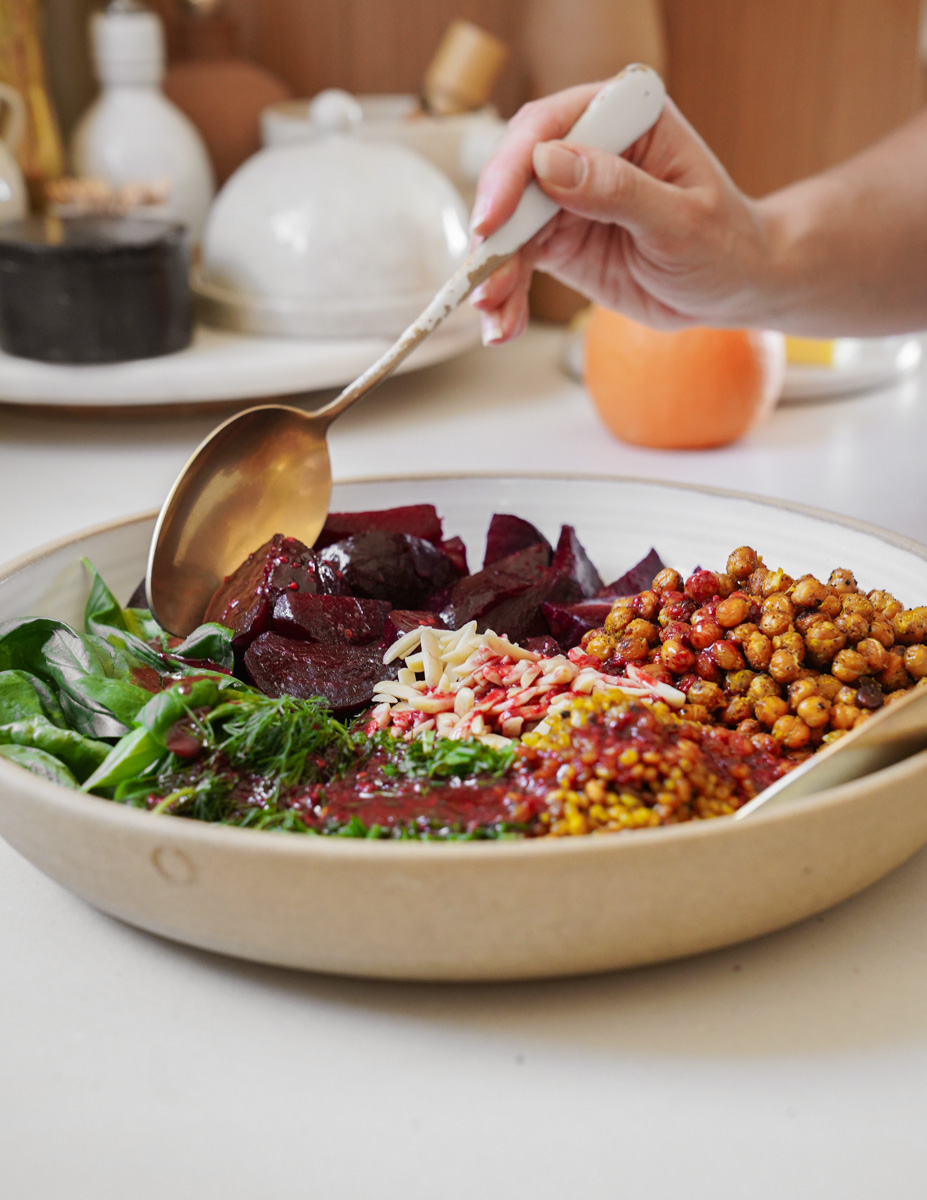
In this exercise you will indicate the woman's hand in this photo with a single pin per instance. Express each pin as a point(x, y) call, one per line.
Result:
point(661, 233)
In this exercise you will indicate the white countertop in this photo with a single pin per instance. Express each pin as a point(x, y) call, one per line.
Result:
point(791, 1068)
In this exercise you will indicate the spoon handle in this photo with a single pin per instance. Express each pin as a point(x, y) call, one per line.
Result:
point(617, 116)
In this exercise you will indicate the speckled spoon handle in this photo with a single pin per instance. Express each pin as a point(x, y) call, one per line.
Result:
point(617, 116)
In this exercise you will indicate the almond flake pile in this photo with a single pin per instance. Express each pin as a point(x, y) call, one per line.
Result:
point(465, 684)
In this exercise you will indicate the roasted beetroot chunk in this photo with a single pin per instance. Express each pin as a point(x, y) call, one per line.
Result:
point(397, 567)
point(504, 597)
point(577, 578)
point(455, 548)
point(343, 675)
point(403, 620)
point(637, 579)
point(508, 534)
point(339, 620)
point(419, 520)
point(568, 622)
point(245, 600)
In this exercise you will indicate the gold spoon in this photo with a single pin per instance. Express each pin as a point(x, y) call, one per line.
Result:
point(894, 732)
point(267, 470)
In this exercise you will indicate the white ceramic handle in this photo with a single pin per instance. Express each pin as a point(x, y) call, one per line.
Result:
point(617, 116)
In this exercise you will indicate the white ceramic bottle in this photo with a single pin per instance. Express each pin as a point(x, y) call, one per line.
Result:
point(132, 133)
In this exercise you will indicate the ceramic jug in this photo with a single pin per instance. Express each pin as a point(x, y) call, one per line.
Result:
point(13, 199)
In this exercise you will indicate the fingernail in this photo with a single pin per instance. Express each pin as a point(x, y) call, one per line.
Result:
point(558, 164)
point(478, 216)
point(478, 294)
point(491, 326)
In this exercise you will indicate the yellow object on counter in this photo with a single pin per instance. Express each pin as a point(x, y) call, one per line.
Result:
point(805, 352)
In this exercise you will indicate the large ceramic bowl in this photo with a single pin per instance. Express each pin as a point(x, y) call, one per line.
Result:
point(486, 910)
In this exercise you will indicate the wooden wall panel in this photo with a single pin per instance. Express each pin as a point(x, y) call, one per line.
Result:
point(782, 88)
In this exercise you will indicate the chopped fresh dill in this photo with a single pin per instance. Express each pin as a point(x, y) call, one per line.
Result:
point(442, 758)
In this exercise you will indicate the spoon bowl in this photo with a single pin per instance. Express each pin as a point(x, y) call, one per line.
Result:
point(267, 470)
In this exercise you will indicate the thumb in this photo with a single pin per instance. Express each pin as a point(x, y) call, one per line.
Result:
point(602, 187)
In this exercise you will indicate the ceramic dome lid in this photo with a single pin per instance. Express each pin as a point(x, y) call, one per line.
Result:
point(333, 237)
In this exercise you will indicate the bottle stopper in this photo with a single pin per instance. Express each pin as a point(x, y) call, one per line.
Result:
point(464, 69)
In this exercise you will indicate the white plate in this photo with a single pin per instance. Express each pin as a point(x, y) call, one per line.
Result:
point(486, 910)
point(222, 367)
point(860, 364)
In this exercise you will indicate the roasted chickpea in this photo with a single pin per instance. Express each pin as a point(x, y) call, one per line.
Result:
point(828, 686)
point(894, 675)
point(733, 610)
point(830, 605)
point(805, 620)
point(618, 619)
point(755, 581)
point(792, 641)
point(814, 711)
point(856, 602)
point(727, 655)
point(807, 592)
point(737, 683)
point(824, 639)
point(766, 742)
point(882, 629)
point(784, 666)
point(853, 624)
point(915, 661)
point(842, 580)
point(846, 695)
point(801, 689)
point(776, 581)
point(707, 694)
point(875, 654)
point(791, 732)
point(737, 711)
point(646, 605)
point(758, 650)
point(677, 657)
point(844, 716)
point(749, 726)
point(667, 580)
point(631, 649)
point(742, 562)
point(910, 627)
point(762, 686)
point(641, 628)
point(773, 622)
point(695, 712)
point(848, 666)
point(726, 584)
point(885, 603)
point(704, 633)
point(706, 667)
point(770, 709)
point(597, 644)
point(741, 633)
point(701, 586)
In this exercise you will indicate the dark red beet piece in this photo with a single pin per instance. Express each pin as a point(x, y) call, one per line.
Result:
point(342, 620)
point(245, 600)
point(397, 567)
point(457, 551)
point(402, 620)
point(544, 644)
point(637, 579)
point(343, 675)
point(420, 520)
point(576, 577)
point(504, 597)
point(568, 622)
point(508, 534)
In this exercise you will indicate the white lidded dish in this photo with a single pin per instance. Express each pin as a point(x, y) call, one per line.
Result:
point(336, 237)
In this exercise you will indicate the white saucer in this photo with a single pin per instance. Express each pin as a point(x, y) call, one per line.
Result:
point(222, 367)
point(859, 365)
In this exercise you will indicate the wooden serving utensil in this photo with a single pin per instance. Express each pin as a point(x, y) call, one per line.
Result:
point(892, 733)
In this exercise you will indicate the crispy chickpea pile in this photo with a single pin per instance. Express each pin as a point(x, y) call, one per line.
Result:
point(788, 662)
